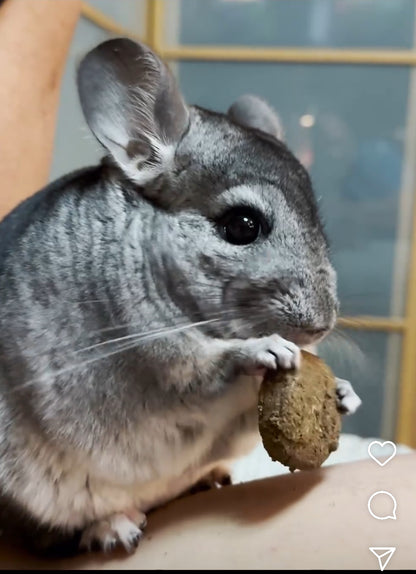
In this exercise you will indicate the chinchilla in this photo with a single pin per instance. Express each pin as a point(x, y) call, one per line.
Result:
point(141, 300)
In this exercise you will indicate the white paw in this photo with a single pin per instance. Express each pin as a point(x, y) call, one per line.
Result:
point(117, 529)
point(348, 400)
point(270, 353)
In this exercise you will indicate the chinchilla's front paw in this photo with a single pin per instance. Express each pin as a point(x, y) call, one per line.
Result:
point(271, 352)
point(347, 399)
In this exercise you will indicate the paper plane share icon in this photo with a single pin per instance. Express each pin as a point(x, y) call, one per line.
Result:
point(383, 554)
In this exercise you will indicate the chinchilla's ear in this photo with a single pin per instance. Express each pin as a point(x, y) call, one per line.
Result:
point(132, 105)
point(253, 112)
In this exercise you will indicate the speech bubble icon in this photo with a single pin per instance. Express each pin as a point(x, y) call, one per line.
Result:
point(392, 502)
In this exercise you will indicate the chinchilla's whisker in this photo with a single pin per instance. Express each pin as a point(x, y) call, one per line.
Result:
point(120, 326)
point(94, 332)
point(131, 344)
point(87, 301)
point(261, 316)
point(339, 335)
point(344, 349)
point(84, 301)
point(219, 317)
point(69, 368)
point(148, 334)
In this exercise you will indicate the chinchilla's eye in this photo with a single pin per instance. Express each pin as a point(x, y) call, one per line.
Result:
point(241, 225)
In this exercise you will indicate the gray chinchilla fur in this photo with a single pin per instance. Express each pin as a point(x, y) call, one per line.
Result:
point(141, 299)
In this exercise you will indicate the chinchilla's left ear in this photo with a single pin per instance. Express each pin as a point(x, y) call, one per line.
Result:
point(133, 106)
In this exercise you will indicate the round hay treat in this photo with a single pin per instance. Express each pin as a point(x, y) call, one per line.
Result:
point(298, 417)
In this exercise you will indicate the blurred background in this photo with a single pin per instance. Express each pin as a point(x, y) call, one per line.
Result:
point(341, 75)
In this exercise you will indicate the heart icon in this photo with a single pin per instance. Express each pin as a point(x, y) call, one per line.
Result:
point(377, 449)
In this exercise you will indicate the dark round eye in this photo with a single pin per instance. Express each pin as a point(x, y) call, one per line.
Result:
point(241, 226)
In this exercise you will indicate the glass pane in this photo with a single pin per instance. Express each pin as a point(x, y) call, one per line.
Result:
point(324, 23)
point(347, 125)
point(75, 146)
point(127, 13)
point(370, 362)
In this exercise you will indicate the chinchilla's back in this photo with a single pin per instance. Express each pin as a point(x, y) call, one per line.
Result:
point(64, 274)
point(37, 257)
point(38, 207)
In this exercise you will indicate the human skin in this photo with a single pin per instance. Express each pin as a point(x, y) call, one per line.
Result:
point(35, 36)
point(306, 520)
